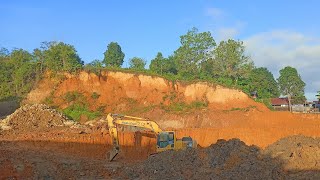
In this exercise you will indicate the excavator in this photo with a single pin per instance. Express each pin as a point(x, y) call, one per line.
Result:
point(166, 140)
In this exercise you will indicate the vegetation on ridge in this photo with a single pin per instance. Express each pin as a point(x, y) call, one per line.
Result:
point(199, 57)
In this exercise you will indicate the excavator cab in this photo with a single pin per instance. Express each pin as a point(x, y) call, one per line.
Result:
point(165, 141)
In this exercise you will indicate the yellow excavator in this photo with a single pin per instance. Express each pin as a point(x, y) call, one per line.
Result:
point(166, 140)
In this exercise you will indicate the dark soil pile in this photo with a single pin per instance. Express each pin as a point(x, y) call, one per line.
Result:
point(299, 154)
point(294, 157)
point(231, 159)
point(35, 117)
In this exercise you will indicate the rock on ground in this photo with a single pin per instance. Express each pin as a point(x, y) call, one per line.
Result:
point(34, 117)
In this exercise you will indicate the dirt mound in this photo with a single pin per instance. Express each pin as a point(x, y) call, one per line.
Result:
point(231, 159)
point(297, 152)
point(34, 117)
point(295, 157)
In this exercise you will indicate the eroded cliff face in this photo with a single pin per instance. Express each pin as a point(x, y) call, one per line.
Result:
point(117, 90)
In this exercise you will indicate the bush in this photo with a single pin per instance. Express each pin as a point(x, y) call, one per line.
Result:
point(95, 95)
point(266, 102)
point(73, 96)
point(76, 110)
point(182, 106)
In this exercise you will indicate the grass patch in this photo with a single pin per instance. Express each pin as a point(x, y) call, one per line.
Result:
point(76, 110)
point(49, 99)
point(246, 109)
point(182, 106)
point(172, 96)
point(266, 102)
point(73, 96)
point(140, 109)
point(95, 95)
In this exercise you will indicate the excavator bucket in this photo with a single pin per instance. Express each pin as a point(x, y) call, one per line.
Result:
point(113, 154)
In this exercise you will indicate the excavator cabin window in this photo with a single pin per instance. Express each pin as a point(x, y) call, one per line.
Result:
point(165, 139)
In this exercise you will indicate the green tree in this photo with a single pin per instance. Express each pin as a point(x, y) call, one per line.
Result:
point(113, 56)
point(291, 84)
point(24, 71)
point(6, 69)
point(169, 66)
point(157, 64)
point(39, 57)
point(61, 56)
point(4, 52)
point(5, 79)
point(229, 60)
point(163, 65)
point(318, 95)
point(137, 63)
point(96, 64)
point(262, 81)
point(195, 48)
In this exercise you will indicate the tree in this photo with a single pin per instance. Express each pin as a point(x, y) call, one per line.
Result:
point(5, 79)
point(318, 95)
point(24, 71)
point(4, 52)
point(157, 64)
point(96, 63)
point(137, 63)
point(40, 58)
point(113, 56)
point(61, 56)
point(195, 48)
point(262, 81)
point(163, 65)
point(95, 66)
point(291, 84)
point(229, 60)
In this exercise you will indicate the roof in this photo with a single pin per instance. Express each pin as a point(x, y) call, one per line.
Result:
point(279, 101)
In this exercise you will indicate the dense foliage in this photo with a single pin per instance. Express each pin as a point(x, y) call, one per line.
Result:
point(18, 73)
point(197, 58)
point(137, 63)
point(261, 80)
point(194, 50)
point(21, 69)
point(291, 84)
point(113, 56)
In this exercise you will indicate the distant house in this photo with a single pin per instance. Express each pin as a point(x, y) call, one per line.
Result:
point(316, 104)
point(280, 104)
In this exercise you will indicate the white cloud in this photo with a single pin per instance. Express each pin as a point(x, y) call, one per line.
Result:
point(280, 48)
point(215, 13)
point(227, 33)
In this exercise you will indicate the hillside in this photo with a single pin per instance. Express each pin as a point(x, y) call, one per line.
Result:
point(139, 95)
point(35, 134)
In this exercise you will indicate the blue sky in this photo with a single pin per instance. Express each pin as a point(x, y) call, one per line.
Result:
point(276, 33)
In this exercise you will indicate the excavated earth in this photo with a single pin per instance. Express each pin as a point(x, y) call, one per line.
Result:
point(238, 138)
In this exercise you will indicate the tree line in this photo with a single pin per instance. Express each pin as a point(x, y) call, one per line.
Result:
point(199, 57)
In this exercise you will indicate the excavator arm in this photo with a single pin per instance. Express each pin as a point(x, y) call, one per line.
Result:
point(114, 119)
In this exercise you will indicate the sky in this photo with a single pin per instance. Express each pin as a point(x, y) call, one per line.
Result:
point(276, 33)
